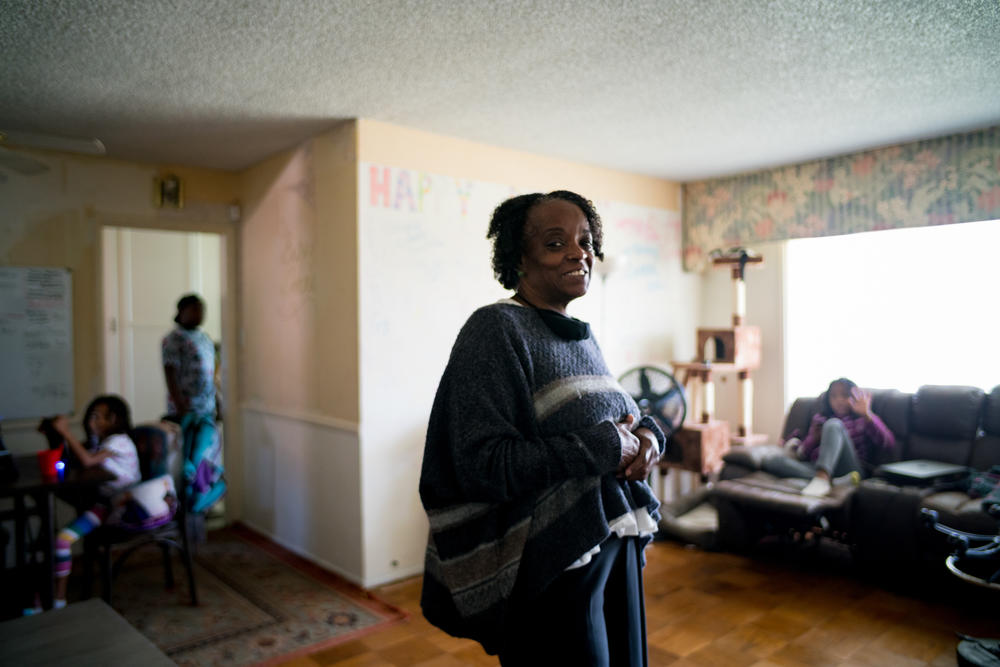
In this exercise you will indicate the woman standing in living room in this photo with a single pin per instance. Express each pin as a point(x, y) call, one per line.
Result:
point(535, 462)
point(842, 438)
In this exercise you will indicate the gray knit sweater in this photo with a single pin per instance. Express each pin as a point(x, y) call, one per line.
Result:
point(518, 475)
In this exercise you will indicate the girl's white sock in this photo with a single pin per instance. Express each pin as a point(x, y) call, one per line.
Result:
point(58, 604)
point(819, 487)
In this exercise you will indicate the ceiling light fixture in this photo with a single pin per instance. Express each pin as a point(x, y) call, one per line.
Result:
point(49, 142)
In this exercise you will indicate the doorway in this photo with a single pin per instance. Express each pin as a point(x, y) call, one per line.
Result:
point(145, 272)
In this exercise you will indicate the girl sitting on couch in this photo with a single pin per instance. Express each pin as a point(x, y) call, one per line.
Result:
point(842, 438)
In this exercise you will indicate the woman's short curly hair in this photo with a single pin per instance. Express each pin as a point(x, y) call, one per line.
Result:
point(507, 231)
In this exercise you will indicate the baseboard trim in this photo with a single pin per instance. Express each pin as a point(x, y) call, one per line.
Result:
point(394, 577)
point(352, 577)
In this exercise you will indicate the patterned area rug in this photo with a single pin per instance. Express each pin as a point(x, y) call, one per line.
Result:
point(257, 602)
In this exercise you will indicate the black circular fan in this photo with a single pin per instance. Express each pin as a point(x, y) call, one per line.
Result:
point(658, 394)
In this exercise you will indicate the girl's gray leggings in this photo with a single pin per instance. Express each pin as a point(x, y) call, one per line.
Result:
point(836, 455)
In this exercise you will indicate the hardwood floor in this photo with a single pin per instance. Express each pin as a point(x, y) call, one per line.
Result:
point(707, 609)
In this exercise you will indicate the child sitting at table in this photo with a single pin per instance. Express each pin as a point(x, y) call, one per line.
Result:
point(107, 422)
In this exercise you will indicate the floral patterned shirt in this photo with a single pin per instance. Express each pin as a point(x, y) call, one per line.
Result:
point(191, 353)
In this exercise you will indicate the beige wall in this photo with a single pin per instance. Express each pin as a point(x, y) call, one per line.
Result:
point(54, 219)
point(389, 144)
point(335, 155)
point(278, 348)
point(299, 352)
point(299, 278)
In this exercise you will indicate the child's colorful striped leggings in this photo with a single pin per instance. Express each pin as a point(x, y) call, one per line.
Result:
point(84, 523)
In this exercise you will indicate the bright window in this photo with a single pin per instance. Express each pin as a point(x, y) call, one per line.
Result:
point(894, 309)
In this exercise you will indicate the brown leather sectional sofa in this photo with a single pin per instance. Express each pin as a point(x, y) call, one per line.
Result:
point(880, 520)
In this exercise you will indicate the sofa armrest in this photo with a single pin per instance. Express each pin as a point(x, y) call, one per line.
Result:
point(751, 457)
point(885, 521)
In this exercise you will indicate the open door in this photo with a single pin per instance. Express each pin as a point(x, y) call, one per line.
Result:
point(145, 273)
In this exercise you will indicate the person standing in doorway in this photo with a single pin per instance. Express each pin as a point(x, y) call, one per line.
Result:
point(189, 368)
point(189, 363)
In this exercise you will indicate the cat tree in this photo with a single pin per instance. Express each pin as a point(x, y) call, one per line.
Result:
point(735, 350)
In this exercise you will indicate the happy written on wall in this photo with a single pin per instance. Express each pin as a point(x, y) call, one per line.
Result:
point(643, 231)
point(423, 212)
point(435, 226)
point(410, 191)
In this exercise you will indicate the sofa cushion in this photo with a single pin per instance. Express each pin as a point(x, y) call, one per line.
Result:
point(947, 412)
point(799, 416)
point(893, 407)
point(751, 457)
point(957, 510)
point(734, 471)
point(944, 423)
point(986, 449)
point(949, 450)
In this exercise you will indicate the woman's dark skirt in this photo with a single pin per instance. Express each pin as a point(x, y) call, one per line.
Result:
point(592, 615)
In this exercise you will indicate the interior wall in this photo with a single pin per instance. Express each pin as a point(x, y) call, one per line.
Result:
point(765, 309)
point(303, 487)
point(336, 197)
point(54, 219)
point(385, 143)
point(299, 352)
point(424, 206)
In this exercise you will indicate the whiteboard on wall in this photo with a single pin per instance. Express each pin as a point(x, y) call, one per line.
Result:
point(36, 342)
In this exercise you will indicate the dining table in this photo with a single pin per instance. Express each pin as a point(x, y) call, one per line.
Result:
point(33, 494)
point(84, 633)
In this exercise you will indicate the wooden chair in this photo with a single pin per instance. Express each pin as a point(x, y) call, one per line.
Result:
point(159, 447)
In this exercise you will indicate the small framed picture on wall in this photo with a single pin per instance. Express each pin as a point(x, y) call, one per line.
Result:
point(168, 191)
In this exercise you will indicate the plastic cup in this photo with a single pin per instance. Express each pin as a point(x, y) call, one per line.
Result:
point(47, 460)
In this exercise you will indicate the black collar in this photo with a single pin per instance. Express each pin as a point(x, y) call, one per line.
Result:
point(567, 328)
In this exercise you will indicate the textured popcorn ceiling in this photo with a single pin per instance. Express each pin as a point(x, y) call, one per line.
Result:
point(681, 89)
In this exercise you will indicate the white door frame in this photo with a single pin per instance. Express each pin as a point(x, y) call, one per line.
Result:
point(230, 325)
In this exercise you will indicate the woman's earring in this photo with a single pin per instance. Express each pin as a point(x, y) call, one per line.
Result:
point(520, 273)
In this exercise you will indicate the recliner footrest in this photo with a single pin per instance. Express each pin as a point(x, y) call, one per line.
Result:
point(764, 492)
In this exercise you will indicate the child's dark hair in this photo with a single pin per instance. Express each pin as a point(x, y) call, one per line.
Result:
point(117, 406)
point(507, 231)
point(848, 384)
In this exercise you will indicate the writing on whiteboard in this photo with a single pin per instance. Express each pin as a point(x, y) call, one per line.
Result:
point(36, 342)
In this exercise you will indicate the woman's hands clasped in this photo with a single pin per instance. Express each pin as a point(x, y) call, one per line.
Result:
point(640, 450)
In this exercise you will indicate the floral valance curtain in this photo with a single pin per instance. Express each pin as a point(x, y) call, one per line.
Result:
point(933, 182)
